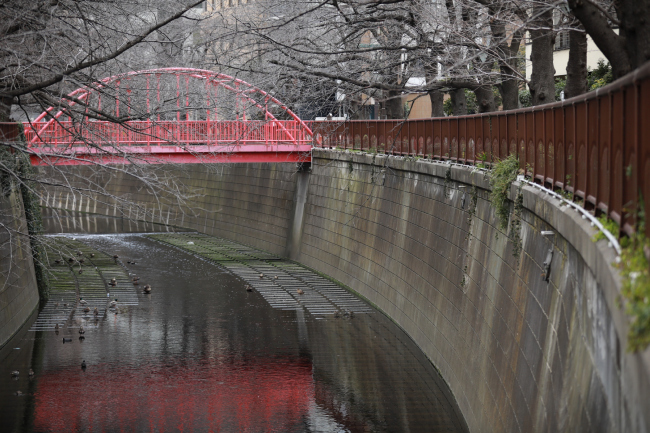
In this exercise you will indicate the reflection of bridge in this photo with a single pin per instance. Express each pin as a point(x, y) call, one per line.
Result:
point(276, 395)
point(183, 112)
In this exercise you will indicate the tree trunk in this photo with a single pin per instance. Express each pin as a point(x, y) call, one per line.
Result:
point(436, 96)
point(576, 69)
point(509, 89)
point(394, 105)
point(508, 55)
point(613, 46)
point(437, 100)
point(631, 47)
point(542, 80)
point(485, 101)
point(458, 102)
point(634, 16)
point(5, 108)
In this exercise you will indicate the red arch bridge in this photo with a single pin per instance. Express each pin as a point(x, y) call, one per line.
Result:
point(170, 115)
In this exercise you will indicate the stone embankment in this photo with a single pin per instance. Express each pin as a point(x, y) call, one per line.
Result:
point(523, 348)
point(18, 289)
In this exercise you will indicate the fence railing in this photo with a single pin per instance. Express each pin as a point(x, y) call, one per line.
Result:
point(596, 147)
point(138, 133)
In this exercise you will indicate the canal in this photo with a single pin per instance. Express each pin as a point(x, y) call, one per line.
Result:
point(230, 339)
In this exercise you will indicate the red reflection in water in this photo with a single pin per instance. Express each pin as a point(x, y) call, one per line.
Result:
point(263, 396)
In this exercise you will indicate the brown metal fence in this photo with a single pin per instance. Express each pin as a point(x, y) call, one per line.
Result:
point(595, 146)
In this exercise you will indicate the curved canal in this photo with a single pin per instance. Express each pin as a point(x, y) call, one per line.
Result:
point(293, 353)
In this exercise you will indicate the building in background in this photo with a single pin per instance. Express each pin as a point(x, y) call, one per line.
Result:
point(561, 54)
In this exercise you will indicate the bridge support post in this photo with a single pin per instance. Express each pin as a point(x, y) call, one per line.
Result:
point(294, 239)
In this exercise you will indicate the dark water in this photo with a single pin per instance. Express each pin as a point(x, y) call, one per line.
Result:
point(202, 354)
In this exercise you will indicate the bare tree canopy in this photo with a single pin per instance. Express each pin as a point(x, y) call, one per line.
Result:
point(371, 51)
point(48, 48)
point(315, 53)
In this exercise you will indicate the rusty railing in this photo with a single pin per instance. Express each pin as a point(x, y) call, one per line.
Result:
point(595, 146)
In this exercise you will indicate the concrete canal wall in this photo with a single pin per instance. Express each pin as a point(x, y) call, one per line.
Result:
point(18, 289)
point(519, 353)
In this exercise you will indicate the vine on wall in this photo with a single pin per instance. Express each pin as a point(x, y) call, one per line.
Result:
point(502, 175)
point(634, 266)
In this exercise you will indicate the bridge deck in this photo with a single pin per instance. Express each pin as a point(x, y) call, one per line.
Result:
point(69, 143)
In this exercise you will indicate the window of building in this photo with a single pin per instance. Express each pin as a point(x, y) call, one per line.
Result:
point(562, 40)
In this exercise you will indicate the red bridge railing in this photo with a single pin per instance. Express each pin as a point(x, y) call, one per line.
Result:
point(161, 133)
point(595, 146)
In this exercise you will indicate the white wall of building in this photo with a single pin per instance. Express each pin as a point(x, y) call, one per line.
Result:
point(561, 57)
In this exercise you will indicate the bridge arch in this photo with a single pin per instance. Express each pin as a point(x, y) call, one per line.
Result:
point(170, 107)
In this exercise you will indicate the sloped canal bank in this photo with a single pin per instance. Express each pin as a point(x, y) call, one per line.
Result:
point(296, 353)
